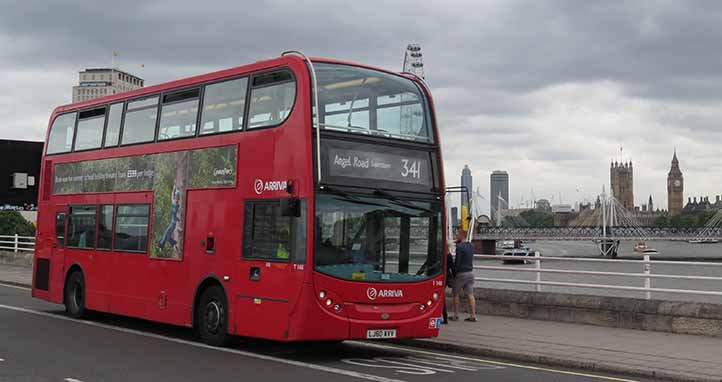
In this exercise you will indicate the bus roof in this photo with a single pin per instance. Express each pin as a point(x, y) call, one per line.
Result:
point(208, 77)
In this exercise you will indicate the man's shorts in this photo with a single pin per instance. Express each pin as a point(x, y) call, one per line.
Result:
point(463, 281)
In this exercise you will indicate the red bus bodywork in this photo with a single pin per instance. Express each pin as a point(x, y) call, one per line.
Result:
point(284, 305)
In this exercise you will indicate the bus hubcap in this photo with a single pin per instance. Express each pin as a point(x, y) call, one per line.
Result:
point(213, 317)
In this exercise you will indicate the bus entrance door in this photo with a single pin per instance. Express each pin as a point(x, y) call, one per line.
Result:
point(263, 304)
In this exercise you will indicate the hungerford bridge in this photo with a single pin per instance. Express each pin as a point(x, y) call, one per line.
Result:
point(607, 226)
point(596, 233)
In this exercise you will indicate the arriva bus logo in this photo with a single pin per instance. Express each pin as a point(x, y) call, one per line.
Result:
point(272, 185)
point(372, 293)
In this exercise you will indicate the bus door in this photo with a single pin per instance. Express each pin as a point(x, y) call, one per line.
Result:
point(52, 252)
point(271, 269)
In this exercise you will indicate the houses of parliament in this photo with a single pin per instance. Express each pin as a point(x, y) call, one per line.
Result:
point(622, 184)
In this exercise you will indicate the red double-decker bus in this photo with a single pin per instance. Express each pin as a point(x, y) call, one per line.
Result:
point(224, 202)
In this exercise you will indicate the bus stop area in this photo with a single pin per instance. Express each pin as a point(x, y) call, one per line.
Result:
point(647, 354)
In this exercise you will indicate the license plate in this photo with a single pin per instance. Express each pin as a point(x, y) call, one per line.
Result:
point(381, 333)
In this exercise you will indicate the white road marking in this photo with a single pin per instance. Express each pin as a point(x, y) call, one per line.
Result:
point(333, 370)
point(71, 380)
point(14, 286)
point(445, 355)
point(2, 360)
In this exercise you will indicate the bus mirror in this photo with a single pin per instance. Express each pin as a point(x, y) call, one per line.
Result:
point(291, 207)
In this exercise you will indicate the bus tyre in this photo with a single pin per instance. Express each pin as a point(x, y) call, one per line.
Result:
point(212, 319)
point(75, 295)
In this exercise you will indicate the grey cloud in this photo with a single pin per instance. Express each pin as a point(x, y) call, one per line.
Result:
point(490, 65)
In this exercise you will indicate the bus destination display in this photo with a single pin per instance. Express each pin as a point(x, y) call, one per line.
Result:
point(406, 167)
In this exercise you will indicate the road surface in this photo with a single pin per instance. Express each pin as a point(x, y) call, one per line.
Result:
point(39, 343)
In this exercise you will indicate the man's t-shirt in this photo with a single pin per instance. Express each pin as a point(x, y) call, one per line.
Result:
point(464, 257)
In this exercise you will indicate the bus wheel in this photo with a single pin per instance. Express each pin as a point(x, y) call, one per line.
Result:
point(212, 319)
point(75, 295)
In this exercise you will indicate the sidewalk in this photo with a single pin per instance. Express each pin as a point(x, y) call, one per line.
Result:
point(643, 353)
point(15, 274)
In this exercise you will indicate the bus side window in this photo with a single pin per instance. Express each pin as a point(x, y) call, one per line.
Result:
point(89, 133)
point(131, 228)
point(81, 227)
point(272, 97)
point(105, 227)
point(112, 131)
point(178, 114)
point(60, 229)
point(61, 134)
point(270, 236)
point(223, 106)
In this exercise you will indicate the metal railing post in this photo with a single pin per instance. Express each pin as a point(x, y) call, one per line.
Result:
point(647, 268)
point(17, 241)
point(537, 266)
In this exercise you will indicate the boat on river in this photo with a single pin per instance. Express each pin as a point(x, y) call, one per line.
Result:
point(703, 241)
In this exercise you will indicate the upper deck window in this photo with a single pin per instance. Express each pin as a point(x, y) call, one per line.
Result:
point(272, 98)
point(178, 115)
point(112, 131)
point(90, 129)
point(370, 102)
point(61, 134)
point(223, 106)
point(140, 117)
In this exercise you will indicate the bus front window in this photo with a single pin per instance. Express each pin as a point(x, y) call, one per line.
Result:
point(364, 101)
point(377, 239)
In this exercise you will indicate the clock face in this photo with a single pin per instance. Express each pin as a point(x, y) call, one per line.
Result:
point(677, 183)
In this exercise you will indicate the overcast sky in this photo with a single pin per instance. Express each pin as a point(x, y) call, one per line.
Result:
point(547, 90)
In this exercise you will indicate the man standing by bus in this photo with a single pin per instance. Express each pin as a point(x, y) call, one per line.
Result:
point(464, 280)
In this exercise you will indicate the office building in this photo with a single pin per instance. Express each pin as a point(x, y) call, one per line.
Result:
point(499, 193)
point(468, 182)
point(101, 82)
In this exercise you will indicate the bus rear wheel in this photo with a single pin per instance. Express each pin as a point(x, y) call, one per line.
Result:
point(75, 295)
point(212, 317)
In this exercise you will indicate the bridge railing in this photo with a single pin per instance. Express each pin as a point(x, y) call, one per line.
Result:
point(645, 275)
point(17, 243)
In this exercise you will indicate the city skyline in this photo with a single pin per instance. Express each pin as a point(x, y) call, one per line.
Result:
point(618, 166)
point(551, 122)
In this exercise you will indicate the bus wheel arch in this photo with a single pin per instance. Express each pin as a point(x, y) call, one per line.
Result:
point(211, 312)
point(74, 291)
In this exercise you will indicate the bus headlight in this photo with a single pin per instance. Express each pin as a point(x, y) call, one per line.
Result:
point(429, 303)
point(422, 307)
point(322, 295)
point(435, 296)
point(329, 302)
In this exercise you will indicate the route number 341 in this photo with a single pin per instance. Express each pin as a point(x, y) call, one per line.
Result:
point(411, 168)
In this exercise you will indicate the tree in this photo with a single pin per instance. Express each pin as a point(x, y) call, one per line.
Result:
point(661, 222)
point(11, 223)
point(538, 218)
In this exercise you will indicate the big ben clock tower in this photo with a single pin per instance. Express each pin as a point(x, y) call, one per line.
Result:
point(675, 188)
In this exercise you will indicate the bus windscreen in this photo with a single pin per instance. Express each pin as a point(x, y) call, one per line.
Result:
point(377, 239)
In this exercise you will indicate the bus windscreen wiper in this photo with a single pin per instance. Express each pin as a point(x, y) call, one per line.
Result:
point(351, 198)
point(400, 202)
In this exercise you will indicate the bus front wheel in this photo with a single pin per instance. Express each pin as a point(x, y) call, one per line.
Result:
point(212, 317)
point(75, 295)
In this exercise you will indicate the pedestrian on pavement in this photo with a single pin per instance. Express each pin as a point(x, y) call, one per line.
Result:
point(450, 274)
point(464, 279)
